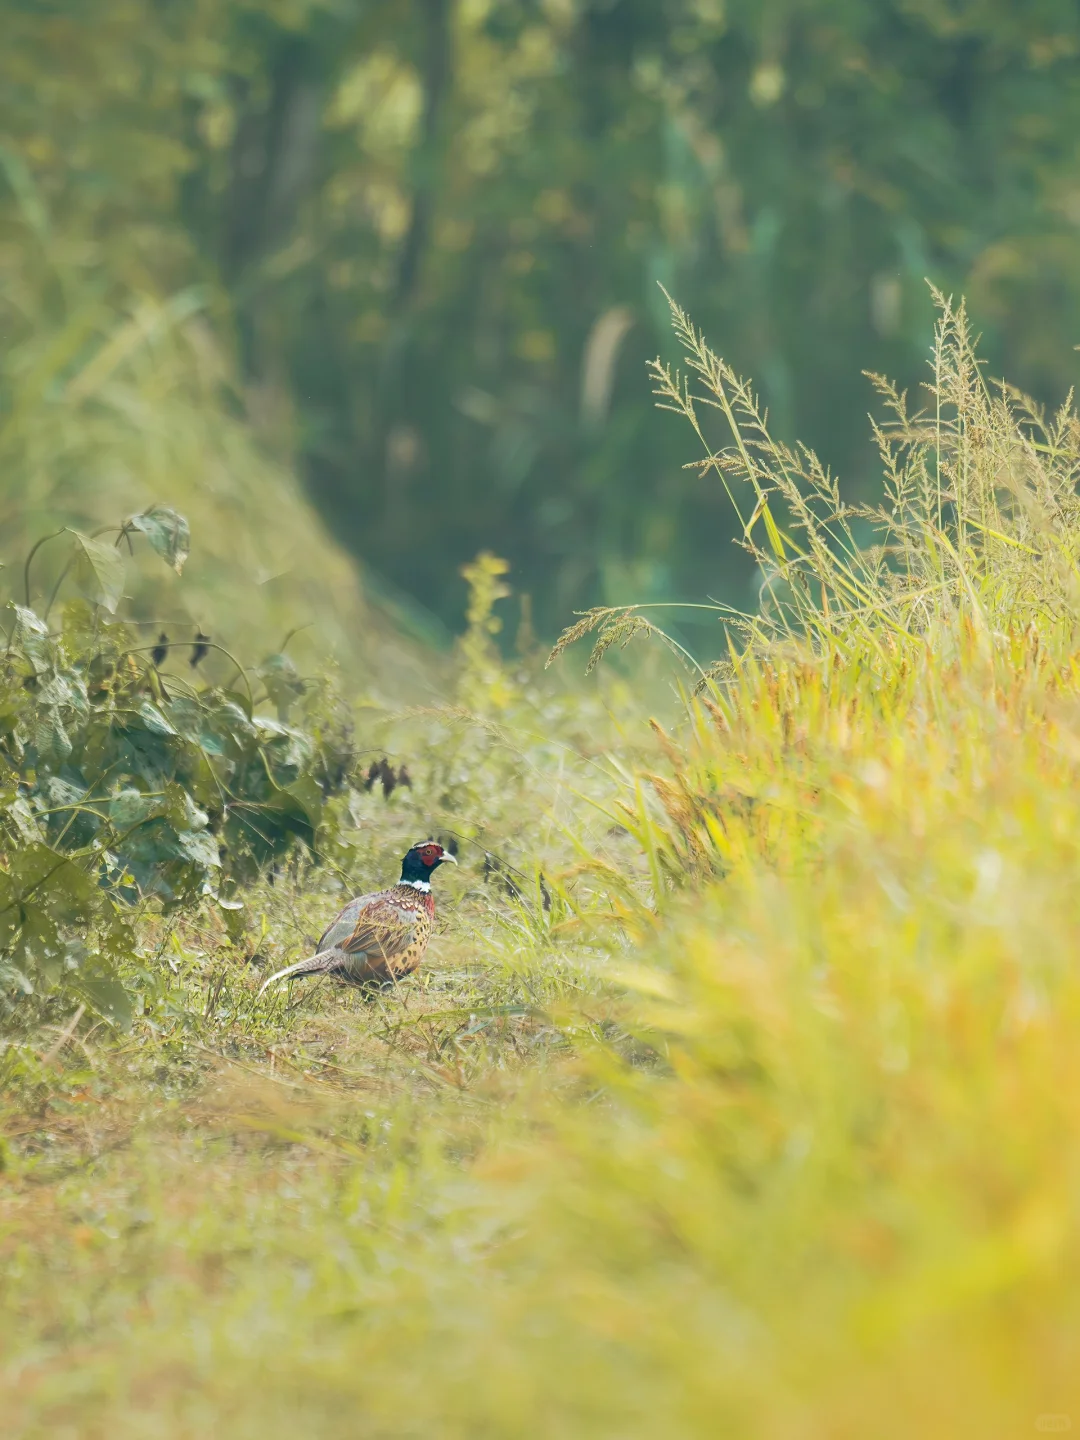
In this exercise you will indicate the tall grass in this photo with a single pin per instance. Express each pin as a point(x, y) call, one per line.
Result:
point(979, 519)
point(781, 1137)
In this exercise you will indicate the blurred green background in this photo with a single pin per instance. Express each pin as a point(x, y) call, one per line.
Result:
point(405, 254)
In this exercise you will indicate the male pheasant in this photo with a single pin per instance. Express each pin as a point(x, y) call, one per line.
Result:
point(383, 936)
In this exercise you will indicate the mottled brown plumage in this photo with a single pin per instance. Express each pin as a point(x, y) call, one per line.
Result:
point(379, 937)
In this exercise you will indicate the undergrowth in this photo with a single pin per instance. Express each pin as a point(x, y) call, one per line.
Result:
point(739, 1094)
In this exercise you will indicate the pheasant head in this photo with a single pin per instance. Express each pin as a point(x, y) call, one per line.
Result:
point(422, 861)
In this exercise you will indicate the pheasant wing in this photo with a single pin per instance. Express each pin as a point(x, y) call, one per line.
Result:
point(384, 929)
point(344, 923)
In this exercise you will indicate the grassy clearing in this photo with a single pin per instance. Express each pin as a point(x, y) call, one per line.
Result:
point(767, 1126)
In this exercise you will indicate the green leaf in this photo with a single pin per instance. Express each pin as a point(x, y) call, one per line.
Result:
point(168, 533)
point(234, 917)
point(282, 681)
point(55, 691)
point(200, 847)
point(154, 720)
point(42, 894)
point(51, 740)
point(131, 807)
point(109, 998)
point(98, 570)
point(41, 948)
point(25, 821)
point(181, 811)
point(31, 635)
point(42, 874)
point(307, 793)
point(298, 808)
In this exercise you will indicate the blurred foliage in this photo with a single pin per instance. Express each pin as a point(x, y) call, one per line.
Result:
point(123, 781)
point(432, 231)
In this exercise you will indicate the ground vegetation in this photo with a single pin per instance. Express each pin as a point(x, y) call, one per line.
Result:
point(737, 1093)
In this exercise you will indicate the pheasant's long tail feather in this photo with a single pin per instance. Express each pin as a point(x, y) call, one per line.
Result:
point(313, 965)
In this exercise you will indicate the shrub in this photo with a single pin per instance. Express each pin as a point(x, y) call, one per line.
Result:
point(122, 785)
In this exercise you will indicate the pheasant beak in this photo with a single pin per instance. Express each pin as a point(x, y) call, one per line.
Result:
point(447, 856)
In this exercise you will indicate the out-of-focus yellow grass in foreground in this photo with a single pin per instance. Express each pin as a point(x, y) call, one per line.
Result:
point(807, 1160)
